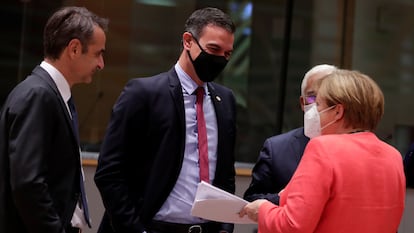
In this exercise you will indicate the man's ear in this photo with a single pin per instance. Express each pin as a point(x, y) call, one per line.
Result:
point(187, 37)
point(74, 47)
point(302, 103)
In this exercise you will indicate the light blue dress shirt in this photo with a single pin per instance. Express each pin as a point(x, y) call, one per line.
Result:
point(177, 207)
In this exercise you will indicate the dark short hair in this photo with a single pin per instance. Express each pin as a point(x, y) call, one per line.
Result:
point(70, 23)
point(208, 16)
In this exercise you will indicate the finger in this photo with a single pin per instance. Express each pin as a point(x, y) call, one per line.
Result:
point(242, 213)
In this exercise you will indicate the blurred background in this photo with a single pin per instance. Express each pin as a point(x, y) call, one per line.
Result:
point(277, 41)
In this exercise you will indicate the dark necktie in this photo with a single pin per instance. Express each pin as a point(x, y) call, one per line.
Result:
point(82, 185)
point(202, 137)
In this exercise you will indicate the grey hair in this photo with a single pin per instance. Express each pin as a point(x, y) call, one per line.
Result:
point(320, 70)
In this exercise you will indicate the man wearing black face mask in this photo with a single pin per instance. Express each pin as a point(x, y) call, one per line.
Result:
point(169, 132)
point(207, 66)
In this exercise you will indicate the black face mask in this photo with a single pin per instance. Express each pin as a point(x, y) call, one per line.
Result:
point(207, 66)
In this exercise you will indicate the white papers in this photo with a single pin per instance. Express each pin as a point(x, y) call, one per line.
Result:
point(218, 205)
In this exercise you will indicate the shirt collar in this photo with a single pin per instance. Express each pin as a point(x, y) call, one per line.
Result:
point(59, 79)
point(187, 83)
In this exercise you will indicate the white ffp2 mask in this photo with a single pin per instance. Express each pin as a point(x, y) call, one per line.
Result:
point(312, 121)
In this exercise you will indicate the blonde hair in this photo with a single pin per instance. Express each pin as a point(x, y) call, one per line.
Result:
point(360, 95)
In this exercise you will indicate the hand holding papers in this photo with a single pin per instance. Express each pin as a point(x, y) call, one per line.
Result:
point(215, 204)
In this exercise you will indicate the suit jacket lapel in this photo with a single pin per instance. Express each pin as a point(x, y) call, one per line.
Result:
point(177, 96)
point(218, 107)
point(40, 72)
point(300, 143)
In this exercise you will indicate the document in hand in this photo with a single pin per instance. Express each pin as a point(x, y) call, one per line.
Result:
point(218, 205)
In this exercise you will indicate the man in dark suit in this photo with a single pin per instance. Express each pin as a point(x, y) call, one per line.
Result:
point(40, 167)
point(281, 154)
point(148, 168)
point(409, 166)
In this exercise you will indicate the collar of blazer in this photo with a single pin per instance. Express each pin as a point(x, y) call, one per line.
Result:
point(43, 75)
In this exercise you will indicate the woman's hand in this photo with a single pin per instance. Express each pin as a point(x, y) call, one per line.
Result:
point(252, 209)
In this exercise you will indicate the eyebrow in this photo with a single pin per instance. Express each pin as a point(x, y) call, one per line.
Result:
point(310, 93)
point(216, 46)
point(101, 51)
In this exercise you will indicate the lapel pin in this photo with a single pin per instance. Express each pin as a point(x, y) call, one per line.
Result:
point(218, 98)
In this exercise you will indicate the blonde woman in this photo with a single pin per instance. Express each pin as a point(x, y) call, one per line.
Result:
point(348, 180)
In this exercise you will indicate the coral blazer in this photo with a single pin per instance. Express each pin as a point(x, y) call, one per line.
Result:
point(344, 183)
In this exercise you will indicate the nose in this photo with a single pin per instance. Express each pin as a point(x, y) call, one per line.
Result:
point(101, 63)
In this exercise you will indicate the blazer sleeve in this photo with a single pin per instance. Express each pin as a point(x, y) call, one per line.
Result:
point(226, 117)
point(29, 117)
point(306, 196)
point(262, 185)
point(111, 176)
point(409, 166)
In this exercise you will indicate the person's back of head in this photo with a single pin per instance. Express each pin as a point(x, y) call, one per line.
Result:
point(360, 96)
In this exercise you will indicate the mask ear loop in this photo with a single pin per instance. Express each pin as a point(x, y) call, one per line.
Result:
point(330, 123)
point(198, 43)
point(188, 51)
point(327, 109)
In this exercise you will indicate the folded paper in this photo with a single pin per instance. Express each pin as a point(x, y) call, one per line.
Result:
point(218, 205)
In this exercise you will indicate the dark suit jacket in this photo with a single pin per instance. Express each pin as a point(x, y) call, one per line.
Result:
point(39, 159)
point(143, 150)
point(276, 164)
point(409, 166)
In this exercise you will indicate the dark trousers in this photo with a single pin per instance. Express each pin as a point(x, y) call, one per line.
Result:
point(167, 227)
point(73, 230)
